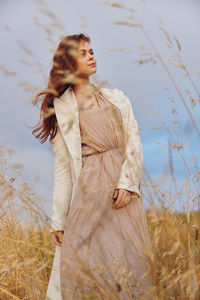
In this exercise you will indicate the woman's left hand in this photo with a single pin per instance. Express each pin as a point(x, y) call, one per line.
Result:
point(122, 197)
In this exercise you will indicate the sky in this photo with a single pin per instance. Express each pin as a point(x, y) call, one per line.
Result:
point(30, 32)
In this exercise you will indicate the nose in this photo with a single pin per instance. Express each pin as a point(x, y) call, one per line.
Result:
point(91, 56)
point(91, 59)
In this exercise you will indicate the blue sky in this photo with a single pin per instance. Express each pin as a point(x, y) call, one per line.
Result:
point(145, 85)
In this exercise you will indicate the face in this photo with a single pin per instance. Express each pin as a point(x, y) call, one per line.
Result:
point(86, 63)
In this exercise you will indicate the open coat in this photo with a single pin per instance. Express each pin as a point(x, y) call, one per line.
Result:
point(67, 151)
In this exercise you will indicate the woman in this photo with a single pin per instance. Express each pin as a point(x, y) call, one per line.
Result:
point(98, 220)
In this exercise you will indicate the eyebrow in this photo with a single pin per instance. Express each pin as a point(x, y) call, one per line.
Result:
point(85, 50)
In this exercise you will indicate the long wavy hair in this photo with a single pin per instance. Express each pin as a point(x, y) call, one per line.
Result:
point(62, 76)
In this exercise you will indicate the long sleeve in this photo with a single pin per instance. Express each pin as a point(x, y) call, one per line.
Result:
point(133, 164)
point(62, 183)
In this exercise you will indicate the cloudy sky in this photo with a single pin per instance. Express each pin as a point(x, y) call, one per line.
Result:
point(30, 32)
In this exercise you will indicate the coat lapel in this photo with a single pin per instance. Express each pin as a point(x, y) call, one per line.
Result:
point(67, 114)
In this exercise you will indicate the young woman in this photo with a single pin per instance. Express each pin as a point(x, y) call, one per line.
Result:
point(98, 220)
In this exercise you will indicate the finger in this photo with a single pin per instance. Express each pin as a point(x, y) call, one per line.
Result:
point(123, 204)
point(115, 196)
point(58, 242)
point(130, 197)
point(60, 236)
point(115, 193)
point(126, 202)
point(56, 239)
point(119, 201)
point(125, 198)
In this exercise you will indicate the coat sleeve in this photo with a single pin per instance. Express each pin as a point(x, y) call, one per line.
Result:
point(62, 182)
point(131, 171)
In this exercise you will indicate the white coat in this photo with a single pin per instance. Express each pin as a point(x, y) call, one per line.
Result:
point(68, 163)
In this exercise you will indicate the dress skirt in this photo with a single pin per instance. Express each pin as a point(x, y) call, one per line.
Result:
point(104, 249)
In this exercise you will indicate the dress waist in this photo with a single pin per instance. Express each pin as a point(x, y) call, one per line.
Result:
point(94, 151)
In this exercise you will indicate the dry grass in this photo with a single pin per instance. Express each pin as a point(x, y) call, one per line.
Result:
point(26, 252)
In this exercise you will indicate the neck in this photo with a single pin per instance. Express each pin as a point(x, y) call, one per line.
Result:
point(83, 88)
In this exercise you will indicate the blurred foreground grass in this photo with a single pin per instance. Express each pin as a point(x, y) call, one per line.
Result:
point(26, 252)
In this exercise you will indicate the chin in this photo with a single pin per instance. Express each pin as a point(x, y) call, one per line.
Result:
point(93, 72)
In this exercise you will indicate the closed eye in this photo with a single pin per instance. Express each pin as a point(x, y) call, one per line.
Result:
point(83, 52)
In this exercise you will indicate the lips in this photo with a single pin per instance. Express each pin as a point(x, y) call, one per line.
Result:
point(93, 64)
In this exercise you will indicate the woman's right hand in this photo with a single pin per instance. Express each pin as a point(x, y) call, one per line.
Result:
point(57, 237)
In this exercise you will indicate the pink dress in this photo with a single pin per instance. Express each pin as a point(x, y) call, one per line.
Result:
point(103, 248)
